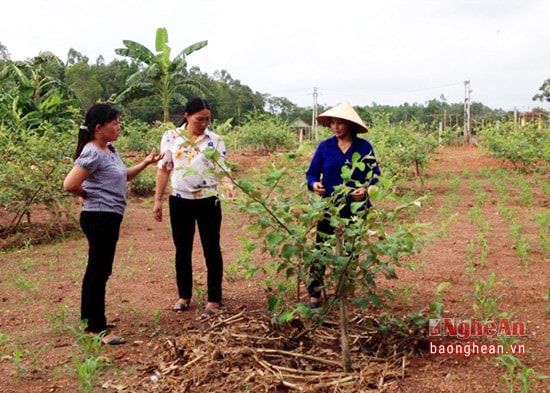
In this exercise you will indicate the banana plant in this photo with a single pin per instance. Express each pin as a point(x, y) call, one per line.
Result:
point(32, 93)
point(162, 78)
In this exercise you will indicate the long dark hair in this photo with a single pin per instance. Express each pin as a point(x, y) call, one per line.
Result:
point(97, 114)
point(196, 104)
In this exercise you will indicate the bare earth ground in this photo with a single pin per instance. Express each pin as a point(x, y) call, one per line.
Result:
point(40, 293)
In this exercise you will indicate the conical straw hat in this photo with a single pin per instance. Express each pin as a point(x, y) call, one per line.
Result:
point(342, 111)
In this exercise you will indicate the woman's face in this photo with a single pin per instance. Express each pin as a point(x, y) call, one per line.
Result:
point(340, 128)
point(110, 131)
point(198, 121)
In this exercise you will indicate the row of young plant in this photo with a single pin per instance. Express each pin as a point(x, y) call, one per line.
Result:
point(501, 179)
point(509, 184)
point(486, 305)
point(33, 163)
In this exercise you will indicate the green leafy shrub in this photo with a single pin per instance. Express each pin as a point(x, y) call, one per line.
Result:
point(403, 148)
point(283, 220)
point(137, 136)
point(263, 133)
point(33, 164)
point(527, 148)
point(143, 184)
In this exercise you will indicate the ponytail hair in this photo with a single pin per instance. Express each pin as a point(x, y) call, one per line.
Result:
point(84, 136)
point(98, 114)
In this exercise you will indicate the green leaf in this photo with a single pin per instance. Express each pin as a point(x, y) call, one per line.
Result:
point(361, 303)
point(161, 39)
point(346, 173)
point(192, 48)
point(246, 186)
point(285, 316)
point(274, 239)
point(289, 251)
point(374, 299)
point(436, 307)
point(442, 286)
point(273, 303)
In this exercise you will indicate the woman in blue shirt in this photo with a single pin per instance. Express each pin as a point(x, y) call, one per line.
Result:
point(325, 170)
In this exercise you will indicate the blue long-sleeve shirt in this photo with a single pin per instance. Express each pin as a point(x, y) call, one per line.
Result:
point(328, 160)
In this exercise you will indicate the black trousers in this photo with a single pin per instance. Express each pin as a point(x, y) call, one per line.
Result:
point(316, 270)
point(102, 230)
point(207, 214)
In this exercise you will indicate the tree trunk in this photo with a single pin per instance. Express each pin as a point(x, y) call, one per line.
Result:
point(344, 309)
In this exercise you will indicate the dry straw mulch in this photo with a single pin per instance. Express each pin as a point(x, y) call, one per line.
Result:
point(244, 352)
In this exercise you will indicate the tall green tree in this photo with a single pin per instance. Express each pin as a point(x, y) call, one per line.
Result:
point(4, 53)
point(230, 99)
point(112, 77)
point(83, 80)
point(544, 92)
point(235, 99)
point(165, 79)
point(75, 56)
point(281, 106)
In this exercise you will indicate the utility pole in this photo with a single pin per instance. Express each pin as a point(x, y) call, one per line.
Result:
point(442, 123)
point(314, 115)
point(467, 115)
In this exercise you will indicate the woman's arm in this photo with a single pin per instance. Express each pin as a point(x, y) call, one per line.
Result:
point(313, 174)
point(160, 186)
point(74, 179)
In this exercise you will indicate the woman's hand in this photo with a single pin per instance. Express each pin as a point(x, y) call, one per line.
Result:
point(227, 184)
point(359, 194)
point(157, 211)
point(136, 169)
point(318, 188)
point(230, 193)
point(152, 158)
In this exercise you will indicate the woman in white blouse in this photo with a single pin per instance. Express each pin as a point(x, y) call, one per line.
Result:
point(193, 199)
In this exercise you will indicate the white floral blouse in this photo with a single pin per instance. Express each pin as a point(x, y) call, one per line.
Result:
point(193, 175)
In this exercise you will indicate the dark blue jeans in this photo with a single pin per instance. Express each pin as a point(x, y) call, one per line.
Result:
point(207, 214)
point(102, 230)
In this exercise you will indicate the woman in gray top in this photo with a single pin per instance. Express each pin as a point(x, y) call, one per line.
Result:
point(99, 178)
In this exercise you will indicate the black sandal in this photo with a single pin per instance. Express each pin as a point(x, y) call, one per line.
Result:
point(315, 304)
point(208, 312)
point(181, 305)
point(113, 339)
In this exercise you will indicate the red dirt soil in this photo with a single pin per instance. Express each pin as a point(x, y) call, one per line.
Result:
point(40, 289)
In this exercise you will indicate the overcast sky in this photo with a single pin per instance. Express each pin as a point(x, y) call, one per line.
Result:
point(362, 51)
